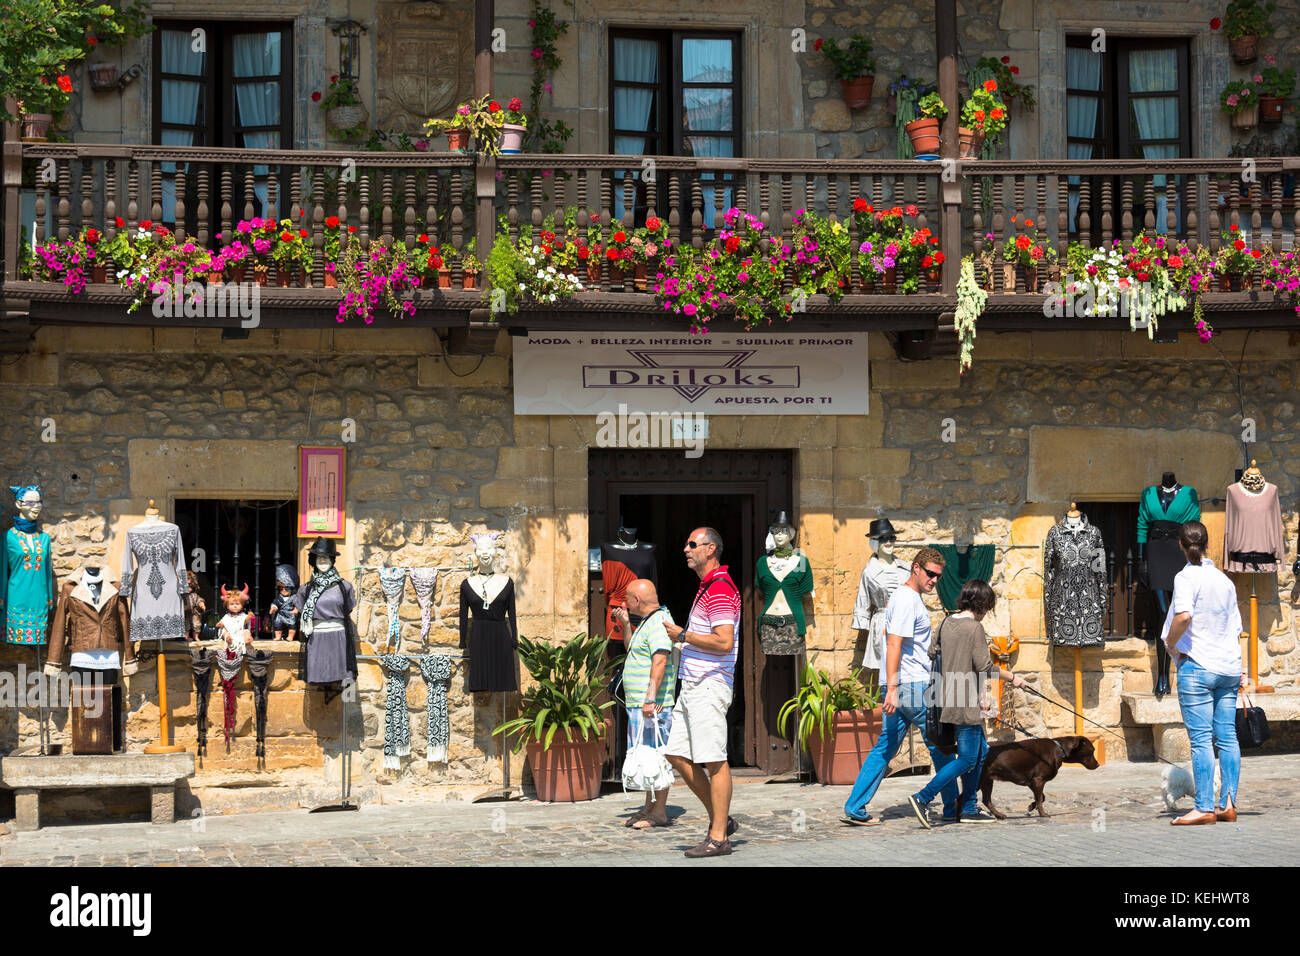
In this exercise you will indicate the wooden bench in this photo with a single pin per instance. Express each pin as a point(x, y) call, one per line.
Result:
point(28, 775)
point(1165, 718)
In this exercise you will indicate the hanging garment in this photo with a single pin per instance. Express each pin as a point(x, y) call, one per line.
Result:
point(1157, 531)
point(960, 567)
point(202, 665)
point(781, 629)
point(393, 581)
point(1252, 531)
point(436, 670)
point(259, 665)
point(329, 636)
point(153, 577)
point(423, 580)
point(85, 623)
point(397, 721)
point(228, 665)
point(1074, 572)
point(880, 580)
point(27, 588)
point(620, 567)
point(489, 635)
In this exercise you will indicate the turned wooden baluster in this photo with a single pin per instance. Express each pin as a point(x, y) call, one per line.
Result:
point(132, 194)
point(62, 212)
point(582, 218)
point(432, 225)
point(87, 191)
point(42, 207)
point(204, 208)
point(458, 191)
point(1062, 220)
point(408, 209)
point(1234, 205)
point(318, 228)
point(1107, 218)
point(110, 198)
point(1256, 230)
point(512, 208)
point(974, 190)
point(363, 214)
point(386, 210)
point(787, 206)
point(675, 207)
point(1171, 209)
point(273, 195)
point(1085, 211)
point(1000, 236)
point(606, 201)
point(155, 192)
point(178, 206)
point(1193, 218)
point(1149, 204)
point(249, 194)
point(226, 212)
point(1275, 221)
point(1040, 210)
point(1018, 189)
point(536, 198)
point(1126, 208)
point(1216, 223)
point(922, 204)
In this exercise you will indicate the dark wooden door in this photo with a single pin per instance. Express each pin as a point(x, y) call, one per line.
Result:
point(665, 495)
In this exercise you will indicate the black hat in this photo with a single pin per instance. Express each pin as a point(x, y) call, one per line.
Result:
point(325, 547)
point(881, 528)
point(782, 521)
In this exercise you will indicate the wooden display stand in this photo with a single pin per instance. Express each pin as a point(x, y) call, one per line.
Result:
point(1252, 647)
point(1098, 741)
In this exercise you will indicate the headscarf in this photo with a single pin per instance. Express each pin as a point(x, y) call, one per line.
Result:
point(393, 581)
point(27, 525)
point(424, 580)
point(436, 669)
point(319, 582)
point(397, 721)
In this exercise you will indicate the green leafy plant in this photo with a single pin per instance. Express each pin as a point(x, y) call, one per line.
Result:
point(819, 699)
point(1246, 18)
point(291, 249)
point(852, 60)
point(931, 106)
point(1275, 82)
point(1005, 72)
point(1238, 96)
point(907, 91)
point(545, 135)
point(468, 260)
point(970, 304)
point(983, 110)
point(342, 91)
point(570, 677)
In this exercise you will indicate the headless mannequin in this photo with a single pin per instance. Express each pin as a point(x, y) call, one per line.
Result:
point(626, 538)
point(1073, 518)
point(1168, 489)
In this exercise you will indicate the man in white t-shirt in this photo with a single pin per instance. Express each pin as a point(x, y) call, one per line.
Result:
point(904, 675)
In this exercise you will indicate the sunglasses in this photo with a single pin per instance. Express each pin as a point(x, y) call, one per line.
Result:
point(932, 574)
point(697, 544)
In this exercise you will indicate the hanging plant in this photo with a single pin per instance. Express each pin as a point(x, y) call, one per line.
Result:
point(970, 304)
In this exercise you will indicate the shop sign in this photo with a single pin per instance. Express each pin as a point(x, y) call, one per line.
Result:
point(320, 491)
point(586, 373)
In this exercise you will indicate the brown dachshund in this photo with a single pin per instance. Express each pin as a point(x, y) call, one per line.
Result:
point(1032, 763)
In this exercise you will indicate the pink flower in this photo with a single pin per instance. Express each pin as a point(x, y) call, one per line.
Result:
point(1258, 78)
point(1232, 99)
point(1270, 59)
point(547, 86)
point(537, 53)
point(532, 23)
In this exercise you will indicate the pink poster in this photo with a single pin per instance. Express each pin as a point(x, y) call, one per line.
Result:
point(320, 492)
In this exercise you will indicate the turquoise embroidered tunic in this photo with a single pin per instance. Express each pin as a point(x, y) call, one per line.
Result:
point(795, 585)
point(1186, 506)
point(26, 587)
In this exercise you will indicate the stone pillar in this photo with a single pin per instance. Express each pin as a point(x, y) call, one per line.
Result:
point(27, 809)
point(162, 805)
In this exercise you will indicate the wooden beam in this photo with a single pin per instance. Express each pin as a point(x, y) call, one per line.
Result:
point(945, 40)
point(485, 172)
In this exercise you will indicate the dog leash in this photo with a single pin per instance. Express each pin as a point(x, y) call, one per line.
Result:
point(1081, 717)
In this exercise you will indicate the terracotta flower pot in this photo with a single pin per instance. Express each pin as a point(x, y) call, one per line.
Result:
point(35, 127)
point(98, 273)
point(1231, 282)
point(1009, 277)
point(969, 142)
point(615, 272)
point(1270, 108)
point(286, 277)
point(237, 273)
point(260, 274)
point(857, 92)
point(924, 134)
point(639, 276)
point(934, 275)
point(1031, 277)
point(868, 281)
point(331, 280)
point(837, 760)
point(457, 140)
point(1247, 118)
point(593, 270)
point(1244, 49)
point(444, 278)
point(214, 277)
point(567, 772)
point(469, 280)
point(889, 281)
point(512, 138)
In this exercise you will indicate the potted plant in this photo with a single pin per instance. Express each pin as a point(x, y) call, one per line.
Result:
point(370, 275)
point(262, 235)
point(432, 264)
point(982, 115)
point(592, 251)
point(854, 66)
point(1028, 252)
point(333, 231)
point(480, 120)
point(513, 127)
point(839, 722)
point(904, 93)
point(1232, 261)
point(560, 721)
point(1240, 100)
point(469, 266)
point(41, 101)
point(618, 250)
point(1244, 23)
point(924, 132)
point(344, 111)
point(1275, 88)
point(291, 254)
point(457, 134)
point(1010, 89)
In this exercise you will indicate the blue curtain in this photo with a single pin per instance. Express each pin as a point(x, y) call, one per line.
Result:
point(180, 104)
point(257, 103)
point(1082, 72)
point(1156, 117)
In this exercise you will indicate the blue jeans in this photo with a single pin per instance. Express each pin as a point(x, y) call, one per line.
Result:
point(1209, 702)
point(911, 712)
point(972, 748)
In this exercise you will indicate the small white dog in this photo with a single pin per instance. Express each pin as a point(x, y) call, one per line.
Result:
point(1176, 782)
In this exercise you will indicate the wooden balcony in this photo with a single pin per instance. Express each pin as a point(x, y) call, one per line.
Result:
point(454, 198)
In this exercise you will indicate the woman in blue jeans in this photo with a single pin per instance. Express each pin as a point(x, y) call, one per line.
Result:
point(1202, 632)
point(966, 661)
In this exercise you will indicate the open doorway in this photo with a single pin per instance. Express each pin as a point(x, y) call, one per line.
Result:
point(666, 496)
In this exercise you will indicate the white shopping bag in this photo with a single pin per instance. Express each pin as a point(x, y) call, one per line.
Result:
point(646, 767)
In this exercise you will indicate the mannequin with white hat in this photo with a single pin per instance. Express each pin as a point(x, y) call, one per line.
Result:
point(883, 575)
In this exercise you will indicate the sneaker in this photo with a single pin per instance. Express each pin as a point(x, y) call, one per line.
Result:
point(979, 816)
point(709, 847)
point(922, 811)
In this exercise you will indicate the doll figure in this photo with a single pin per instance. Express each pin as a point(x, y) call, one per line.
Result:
point(195, 607)
point(236, 627)
point(284, 611)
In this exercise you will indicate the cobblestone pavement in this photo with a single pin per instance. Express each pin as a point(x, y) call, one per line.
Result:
point(1110, 816)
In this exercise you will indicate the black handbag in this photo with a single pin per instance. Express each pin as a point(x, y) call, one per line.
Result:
point(941, 736)
point(1252, 726)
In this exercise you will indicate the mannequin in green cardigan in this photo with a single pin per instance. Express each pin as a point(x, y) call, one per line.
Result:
point(784, 577)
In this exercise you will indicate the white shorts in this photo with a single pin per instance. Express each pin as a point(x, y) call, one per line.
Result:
point(699, 729)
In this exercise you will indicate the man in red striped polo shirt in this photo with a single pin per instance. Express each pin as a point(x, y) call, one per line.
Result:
point(697, 742)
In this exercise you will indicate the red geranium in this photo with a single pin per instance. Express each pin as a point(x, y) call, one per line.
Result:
point(996, 114)
point(434, 261)
point(1015, 70)
point(422, 237)
point(1256, 253)
point(1176, 262)
point(303, 233)
point(146, 224)
point(620, 236)
point(859, 205)
point(1239, 245)
point(1006, 59)
point(653, 223)
point(912, 210)
point(612, 253)
point(515, 104)
point(1216, 23)
point(92, 236)
point(584, 252)
point(1023, 243)
point(494, 107)
point(119, 222)
point(733, 243)
point(332, 222)
point(991, 86)
point(1233, 228)
point(315, 96)
point(352, 228)
point(927, 261)
point(817, 44)
point(938, 258)
point(286, 237)
point(65, 84)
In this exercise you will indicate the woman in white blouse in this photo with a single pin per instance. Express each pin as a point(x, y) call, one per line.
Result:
point(1202, 632)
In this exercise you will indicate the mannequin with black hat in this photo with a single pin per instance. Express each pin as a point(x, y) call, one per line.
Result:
point(883, 575)
point(784, 577)
point(325, 605)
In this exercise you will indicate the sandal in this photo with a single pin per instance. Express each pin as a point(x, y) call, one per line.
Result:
point(634, 818)
point(649, 822)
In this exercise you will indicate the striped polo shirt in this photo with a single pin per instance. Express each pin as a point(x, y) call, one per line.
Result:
point(716, 602)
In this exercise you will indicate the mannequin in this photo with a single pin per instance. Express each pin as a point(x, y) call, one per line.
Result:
point(883, 575)
point(1252, 528)
point(325, 604)
point(623, 560)
point(488, 632)
point(1162, 510)
point(92, 626)
point(783, 577)
point(154, 579)
point(27, 587)
point(235, 628)
point(284, 609)
point(1074, 572)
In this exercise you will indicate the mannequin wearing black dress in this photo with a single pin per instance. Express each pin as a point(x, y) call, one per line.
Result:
point(487, 627)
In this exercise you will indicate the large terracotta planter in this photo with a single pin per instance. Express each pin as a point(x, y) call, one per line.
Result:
point(593, 270)
point(1247, 118)
point(889, 281)
point(615, 273)
point(444, 278)
point(260, 274)
point(639, 276)
point(969, 142)
point(924, 134)
point(857, 92)
point(512, 138)
point(567, 772)
point(1270, 108)
point(469, 280)
point(837, 760)
point(35, 127)
point(331, 280)
point(457, 140)
point(288, 278)
point(1244, 49)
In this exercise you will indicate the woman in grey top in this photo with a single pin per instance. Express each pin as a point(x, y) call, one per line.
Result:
point(966, 661)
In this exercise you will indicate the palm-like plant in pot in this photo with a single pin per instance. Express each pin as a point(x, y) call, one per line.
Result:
point(839, 722)
point(561, 722)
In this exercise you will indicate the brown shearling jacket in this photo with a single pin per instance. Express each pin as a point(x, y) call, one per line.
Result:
point(82, 625)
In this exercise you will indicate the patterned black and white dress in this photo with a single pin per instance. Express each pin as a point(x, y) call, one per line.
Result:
point(153, 577)
point(1074, 562)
